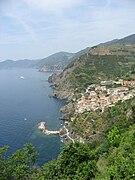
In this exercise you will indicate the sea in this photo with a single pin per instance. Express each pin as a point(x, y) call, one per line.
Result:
point(25, 102)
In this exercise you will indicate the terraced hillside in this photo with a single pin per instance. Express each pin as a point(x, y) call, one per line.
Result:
point(99, 63)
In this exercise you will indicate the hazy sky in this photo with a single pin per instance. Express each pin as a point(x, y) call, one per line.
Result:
point(37, 28)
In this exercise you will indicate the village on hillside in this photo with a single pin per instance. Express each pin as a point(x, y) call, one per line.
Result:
point(101, 96)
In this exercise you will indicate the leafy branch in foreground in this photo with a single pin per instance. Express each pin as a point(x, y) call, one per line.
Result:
point(19, 165)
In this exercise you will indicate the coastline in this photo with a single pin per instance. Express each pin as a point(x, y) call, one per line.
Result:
point(65, 134)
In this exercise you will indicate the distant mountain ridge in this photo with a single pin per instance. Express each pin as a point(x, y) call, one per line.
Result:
point(60, 60)
point(54, 62)
point(9, 64)
point(126, 40)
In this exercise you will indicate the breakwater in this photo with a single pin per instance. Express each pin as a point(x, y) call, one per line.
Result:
point(42, 127)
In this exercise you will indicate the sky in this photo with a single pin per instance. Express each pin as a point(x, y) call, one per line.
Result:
point(33, 29)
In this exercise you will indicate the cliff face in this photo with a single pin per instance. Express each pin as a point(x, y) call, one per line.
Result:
point(63, 87)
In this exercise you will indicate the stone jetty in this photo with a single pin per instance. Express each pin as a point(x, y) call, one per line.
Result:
point(42, 127)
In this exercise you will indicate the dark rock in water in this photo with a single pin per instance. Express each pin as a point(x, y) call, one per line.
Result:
point(50, 96)
point(53, 86)
point(52, 78)
point(63, 117)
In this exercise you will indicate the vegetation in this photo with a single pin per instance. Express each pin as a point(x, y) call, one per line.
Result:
point(100, 63)
point(19, 165)
point(111, 158)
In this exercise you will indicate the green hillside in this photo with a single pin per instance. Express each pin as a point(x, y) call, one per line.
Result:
point(100, 63)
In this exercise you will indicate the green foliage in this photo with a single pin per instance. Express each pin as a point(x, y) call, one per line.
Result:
point(19, 165)
point(120, 163)
point(76, 161)
point(73, 158)
point(114, 136)
point(47, 171)
point(3, 163)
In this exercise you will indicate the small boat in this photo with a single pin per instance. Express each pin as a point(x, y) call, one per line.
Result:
point(25, 119)
point(21, 77)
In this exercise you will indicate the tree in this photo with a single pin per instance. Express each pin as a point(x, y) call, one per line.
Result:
point(19, 165)
point(120, 162)
point(77, 159)
point(114, 136)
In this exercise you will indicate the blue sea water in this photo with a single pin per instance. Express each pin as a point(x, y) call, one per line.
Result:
point(24, 102)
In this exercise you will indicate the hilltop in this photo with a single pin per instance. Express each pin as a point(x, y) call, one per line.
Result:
point(126, 40)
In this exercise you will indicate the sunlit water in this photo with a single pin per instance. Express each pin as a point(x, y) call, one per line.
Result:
point(24, 102)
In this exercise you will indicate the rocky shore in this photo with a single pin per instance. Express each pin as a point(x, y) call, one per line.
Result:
point(65, 132)
point(68, 109)
point(61, 93)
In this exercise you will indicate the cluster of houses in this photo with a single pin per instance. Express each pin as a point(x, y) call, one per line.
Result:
point(100, 97)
